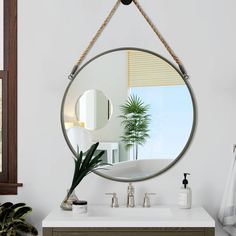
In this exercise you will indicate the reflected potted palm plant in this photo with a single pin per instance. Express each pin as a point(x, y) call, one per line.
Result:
point(135, 120)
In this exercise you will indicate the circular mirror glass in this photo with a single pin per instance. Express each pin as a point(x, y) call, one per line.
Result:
point(139, 108)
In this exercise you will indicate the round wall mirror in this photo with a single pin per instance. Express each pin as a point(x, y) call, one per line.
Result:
point(139, 108)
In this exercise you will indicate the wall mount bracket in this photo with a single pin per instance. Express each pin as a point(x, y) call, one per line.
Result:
point(126, 2)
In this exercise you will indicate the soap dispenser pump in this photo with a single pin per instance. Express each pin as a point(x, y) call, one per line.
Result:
point(185, 194)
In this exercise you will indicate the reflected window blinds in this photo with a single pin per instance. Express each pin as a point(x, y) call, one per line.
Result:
point(145, 69)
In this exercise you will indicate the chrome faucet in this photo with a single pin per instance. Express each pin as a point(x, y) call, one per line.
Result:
point(130, 196)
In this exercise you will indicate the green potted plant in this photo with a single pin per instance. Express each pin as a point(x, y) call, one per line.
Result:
point(85, 163)
point(12, 220)
point(135, 122)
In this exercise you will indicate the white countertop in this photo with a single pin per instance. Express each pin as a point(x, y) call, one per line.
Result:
point(156, 216)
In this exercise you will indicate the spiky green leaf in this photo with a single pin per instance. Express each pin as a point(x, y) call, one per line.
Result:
point(21, 212)
point(6, 205)
point(84, 166)
point(17, 205)
point(25, 228)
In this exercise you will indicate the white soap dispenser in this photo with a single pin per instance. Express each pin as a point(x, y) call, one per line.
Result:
point(185, 195)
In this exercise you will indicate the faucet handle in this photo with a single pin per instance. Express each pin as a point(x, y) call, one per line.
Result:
point(146, 200)
point(114, 200)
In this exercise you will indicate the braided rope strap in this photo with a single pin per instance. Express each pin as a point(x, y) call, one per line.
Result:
point(94, 39)
point(162, 39)
point(105, 23)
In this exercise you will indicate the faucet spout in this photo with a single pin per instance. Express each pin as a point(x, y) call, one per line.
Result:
point(130, 196)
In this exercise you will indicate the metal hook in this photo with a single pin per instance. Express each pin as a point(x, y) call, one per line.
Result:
point(126, 2)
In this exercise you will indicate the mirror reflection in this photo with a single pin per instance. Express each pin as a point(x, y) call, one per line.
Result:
point(145, 124)
point(93, 110)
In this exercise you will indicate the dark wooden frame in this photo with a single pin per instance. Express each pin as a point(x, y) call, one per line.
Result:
point(8, 177)
point(129, 231)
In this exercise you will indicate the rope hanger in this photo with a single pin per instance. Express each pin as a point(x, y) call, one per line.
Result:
point(105, 23)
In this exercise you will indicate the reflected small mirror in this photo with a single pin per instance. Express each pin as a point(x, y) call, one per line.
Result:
point(139, 108)
point(93, 110)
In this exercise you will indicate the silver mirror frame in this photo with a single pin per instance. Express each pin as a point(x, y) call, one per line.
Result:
point(187, 143)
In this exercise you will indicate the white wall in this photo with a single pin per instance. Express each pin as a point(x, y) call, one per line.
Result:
point(52, 35)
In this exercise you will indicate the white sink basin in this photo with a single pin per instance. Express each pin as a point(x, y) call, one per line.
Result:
point(130, 213)
point(105, 216)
